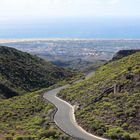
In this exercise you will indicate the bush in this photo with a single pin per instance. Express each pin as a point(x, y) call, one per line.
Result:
point(119, 133)
point(8, 138)
point(24, 138)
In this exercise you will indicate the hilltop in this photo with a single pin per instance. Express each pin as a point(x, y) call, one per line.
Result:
point(21, 72)
point(109, 102)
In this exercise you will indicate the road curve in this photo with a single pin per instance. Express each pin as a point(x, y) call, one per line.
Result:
point(65, 118)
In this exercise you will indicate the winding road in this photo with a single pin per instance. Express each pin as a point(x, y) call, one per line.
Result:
point(65, 118)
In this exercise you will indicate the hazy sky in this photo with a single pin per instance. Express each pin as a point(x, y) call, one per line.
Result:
point(70, 18)
point(20, 9)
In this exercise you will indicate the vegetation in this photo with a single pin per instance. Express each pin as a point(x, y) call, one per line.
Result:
point(21, 72)
point(123, 53)
point(109, 102)
point(79, 64)
point(27, 117)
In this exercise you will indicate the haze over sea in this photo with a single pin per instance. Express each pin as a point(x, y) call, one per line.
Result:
point(101, 27)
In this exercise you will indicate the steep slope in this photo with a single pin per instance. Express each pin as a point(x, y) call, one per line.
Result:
point(21, 72)
point(109, 102)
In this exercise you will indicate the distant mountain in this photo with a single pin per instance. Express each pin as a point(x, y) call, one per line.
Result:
point(109, 102)
point(21, 72)
point(124, 53)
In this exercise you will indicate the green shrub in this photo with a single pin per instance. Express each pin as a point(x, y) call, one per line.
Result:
point(118, 133)
point(8, 138)
point(118, 109)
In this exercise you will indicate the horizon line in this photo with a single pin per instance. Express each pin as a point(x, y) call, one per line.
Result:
point(3, 40)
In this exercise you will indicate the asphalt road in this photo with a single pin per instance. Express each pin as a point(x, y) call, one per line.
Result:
point(65, 118)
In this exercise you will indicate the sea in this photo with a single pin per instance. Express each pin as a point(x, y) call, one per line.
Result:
point(95, 27)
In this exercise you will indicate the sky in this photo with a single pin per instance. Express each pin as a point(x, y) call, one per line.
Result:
point(25, 15)
point(26, 9)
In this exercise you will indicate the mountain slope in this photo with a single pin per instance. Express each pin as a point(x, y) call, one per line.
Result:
point(79, 64)
point(123, 53)
point(109, 102)
point(21, 72)
point(28, 117)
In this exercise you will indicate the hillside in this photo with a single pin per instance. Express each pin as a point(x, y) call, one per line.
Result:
point(109, 102)
point(27, 117)
point(21, 72)
point(79, 64)
point(123, 53)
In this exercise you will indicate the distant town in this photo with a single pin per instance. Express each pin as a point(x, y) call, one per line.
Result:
point(69, 49)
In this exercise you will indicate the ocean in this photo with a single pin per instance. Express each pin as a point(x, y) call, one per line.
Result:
point(72, 28)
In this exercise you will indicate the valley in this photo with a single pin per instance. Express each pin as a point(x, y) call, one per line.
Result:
point(69, 69)
point(77, 54)
point(101, 104)
point(23, 79)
